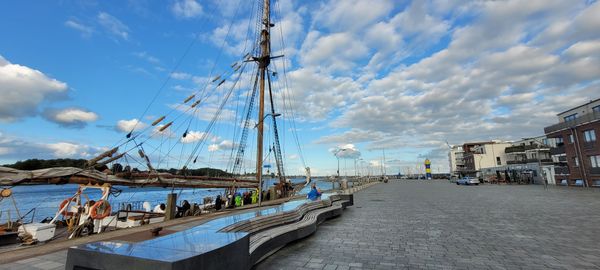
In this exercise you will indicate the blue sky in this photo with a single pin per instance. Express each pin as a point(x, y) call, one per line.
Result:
point(405, 76)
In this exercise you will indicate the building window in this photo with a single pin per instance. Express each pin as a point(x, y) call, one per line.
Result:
point(559, 141)
point(571, 140)
point(596, 109)
point(595, 161)
point(576, 161)
point(589, 135)
point(570, 117)
point(498, 161)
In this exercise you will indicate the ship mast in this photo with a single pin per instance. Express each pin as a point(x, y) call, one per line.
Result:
point(263, 62)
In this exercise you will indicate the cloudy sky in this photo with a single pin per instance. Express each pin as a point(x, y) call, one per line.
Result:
point(404, 76)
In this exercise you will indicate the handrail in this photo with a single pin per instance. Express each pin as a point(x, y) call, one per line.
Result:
point(586, 118)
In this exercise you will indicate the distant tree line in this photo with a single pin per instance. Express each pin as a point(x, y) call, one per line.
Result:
point(118, 168)
point(36, 164)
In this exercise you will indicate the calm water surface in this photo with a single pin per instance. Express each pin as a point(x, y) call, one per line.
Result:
point(46, 198)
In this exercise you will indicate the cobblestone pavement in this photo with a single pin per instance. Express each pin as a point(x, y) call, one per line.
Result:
point(439, 225)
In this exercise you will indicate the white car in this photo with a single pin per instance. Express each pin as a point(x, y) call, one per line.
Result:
point(468, 181)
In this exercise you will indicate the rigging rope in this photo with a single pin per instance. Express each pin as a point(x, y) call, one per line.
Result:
point(286, 88)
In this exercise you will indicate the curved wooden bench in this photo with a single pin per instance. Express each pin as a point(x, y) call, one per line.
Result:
point(243, 239)
point(264, 222)
point(264, 243)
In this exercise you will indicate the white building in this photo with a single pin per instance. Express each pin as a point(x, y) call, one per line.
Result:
point(456, 159)
point(479, 155)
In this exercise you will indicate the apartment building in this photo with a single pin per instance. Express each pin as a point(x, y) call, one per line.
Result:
point(456, 160)
point(575, 147)
point(529, 150)
point(480, 155)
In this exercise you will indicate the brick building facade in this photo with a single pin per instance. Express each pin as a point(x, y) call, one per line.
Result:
point(576, 149)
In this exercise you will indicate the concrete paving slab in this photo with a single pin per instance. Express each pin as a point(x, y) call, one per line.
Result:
point(410, 224)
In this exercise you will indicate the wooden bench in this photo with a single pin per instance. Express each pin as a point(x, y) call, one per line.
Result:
point(266, 242)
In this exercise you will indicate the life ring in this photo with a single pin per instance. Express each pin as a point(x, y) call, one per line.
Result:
point(5, 193)
point(65, 212)
point(100, 210)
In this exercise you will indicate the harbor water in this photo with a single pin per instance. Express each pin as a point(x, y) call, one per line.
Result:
point(37, 202)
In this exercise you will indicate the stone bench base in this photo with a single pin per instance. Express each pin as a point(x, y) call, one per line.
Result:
point(231, 242)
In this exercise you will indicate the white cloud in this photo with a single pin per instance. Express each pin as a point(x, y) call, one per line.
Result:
point(130, 125)
point(351, 14)
point(13, 149)
point(206, 110)
point(222, 146)
point(180, 76)
point(348, 151)
point(186, 9)
point(581, 49)
point(65, 149)
point(23, 89)
point(147, 57)
point(332, 52)
point(86, 31)
point(351, 136)
point(70, 117)
point(113, 25)
point(496, 80)
point(194, 136)
point(314, 95)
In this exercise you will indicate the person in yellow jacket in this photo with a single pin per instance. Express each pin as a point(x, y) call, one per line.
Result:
point(254, 196)
point(238, 199)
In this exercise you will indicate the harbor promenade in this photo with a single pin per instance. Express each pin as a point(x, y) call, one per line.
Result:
point(438, 225)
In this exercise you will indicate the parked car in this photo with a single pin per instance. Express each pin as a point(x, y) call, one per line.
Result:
point(468, 181)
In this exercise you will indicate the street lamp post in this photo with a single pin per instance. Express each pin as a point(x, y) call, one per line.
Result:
point(267, 115)
point(338, 167)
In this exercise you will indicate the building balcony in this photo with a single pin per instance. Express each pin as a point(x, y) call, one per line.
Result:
point(511, 162)
point(561, 170)
point(520, 148)
point(539, 160)
point(586, 118)
point(557, 150)
point(529, 160)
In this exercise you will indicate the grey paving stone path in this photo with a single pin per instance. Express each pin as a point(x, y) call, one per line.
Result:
point(438, 225)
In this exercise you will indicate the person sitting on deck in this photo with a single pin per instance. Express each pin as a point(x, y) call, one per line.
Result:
point(247, 198)
point(238, 199)
point(314, 194)
point(218, 203)
point(159, 208)
point(254, 197)
point(183, 209)
point(229, 203)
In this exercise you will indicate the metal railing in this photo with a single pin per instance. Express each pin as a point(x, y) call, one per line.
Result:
point(521, 148)
point(590, 117)
point(561, 170)
point(557, 150)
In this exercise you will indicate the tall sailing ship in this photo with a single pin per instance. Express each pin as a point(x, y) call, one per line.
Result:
point(136, 158)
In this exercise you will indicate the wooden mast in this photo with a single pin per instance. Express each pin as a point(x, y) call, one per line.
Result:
point(263, 63)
